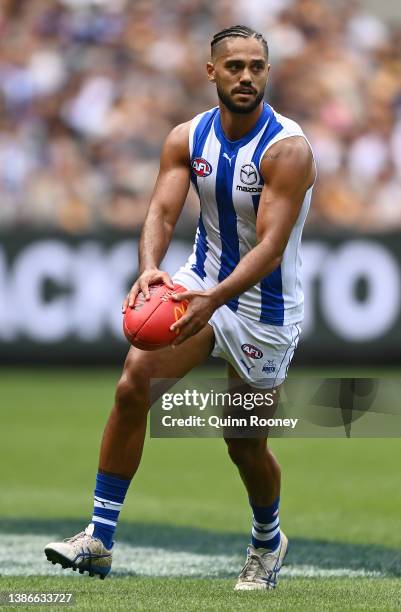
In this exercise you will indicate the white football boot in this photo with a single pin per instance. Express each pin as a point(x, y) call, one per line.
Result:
point(261, 568)
point(82, 552)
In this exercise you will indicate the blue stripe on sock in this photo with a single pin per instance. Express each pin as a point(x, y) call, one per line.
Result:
point(263, 531)
point(271, 544)
point(266, 515)
point(112, 515)
point(113, 489)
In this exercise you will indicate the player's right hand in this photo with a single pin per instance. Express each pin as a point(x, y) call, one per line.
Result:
point(152, 276)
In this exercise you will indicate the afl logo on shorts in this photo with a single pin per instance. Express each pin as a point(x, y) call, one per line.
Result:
point(252, 351)
point(201, 166)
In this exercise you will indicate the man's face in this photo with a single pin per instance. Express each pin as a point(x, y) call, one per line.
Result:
point(240, 70)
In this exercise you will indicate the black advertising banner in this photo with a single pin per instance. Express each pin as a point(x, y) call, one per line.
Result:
point(60, 297)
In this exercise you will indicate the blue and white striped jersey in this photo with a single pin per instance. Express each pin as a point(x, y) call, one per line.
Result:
point(226, 177)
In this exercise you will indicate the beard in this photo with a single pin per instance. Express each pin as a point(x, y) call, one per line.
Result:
point(240, 109)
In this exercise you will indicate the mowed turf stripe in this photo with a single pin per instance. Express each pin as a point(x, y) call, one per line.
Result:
point(22, 555)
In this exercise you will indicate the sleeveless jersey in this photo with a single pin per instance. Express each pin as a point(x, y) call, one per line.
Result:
point(226, 176)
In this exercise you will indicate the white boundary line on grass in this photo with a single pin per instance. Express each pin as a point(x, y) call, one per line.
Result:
point(22, 555)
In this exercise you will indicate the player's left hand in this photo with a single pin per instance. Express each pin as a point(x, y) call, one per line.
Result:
point(201, 307)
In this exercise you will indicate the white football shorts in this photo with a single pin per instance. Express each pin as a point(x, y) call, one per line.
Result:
point(260, 353)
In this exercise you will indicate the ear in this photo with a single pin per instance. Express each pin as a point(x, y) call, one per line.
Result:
point(210, 72)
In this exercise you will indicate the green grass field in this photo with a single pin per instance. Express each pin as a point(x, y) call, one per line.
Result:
point(183, 531)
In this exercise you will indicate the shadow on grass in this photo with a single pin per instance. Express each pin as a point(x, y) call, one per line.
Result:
point(321, 553)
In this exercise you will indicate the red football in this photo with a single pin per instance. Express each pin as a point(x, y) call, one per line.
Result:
point(147, 324)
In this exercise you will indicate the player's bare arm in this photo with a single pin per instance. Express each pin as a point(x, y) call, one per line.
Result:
point(288, 171)
point(165, 206)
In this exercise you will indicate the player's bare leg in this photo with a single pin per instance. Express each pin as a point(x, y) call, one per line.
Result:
point(258, 468)
point(121, 450)
point(124, 434)
point(256, 464)
point(261, 475)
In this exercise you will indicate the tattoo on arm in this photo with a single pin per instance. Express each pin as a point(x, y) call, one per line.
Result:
point(273, 155)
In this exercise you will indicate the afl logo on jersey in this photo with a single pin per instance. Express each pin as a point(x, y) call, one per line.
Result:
point(201, 166)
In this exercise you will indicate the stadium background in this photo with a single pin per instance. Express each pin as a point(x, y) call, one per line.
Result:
point(88, 91)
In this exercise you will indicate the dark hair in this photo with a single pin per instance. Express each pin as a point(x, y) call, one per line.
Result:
point(241, 31)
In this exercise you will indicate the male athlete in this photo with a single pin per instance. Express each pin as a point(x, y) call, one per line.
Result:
point(253, 170)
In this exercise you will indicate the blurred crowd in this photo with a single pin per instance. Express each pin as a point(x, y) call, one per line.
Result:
point(90, 88)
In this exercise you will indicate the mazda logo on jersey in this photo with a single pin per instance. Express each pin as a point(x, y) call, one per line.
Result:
point(201, 166)
point(248, 174)
point(252, 351)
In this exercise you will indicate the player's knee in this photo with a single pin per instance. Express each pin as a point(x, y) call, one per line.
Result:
point(131, 390)
point(245, 451)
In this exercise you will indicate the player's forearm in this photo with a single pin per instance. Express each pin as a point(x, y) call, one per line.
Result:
point(257, 263)
point(155, 239)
